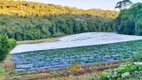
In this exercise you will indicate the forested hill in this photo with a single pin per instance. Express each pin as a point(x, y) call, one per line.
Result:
point(40, 9)
point(32, 20)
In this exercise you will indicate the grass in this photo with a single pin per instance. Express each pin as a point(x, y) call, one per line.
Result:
point(137, 58)
point(6, 67)
point(81, 77)
point(8, 64)
point(2, 73)
point(37, 41)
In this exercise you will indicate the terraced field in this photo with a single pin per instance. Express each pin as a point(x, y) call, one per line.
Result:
point(63, 58)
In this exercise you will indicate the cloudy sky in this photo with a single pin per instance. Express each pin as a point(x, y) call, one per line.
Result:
point(85, 4)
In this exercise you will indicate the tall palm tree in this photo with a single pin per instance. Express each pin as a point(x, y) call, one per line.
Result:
point(123, 4)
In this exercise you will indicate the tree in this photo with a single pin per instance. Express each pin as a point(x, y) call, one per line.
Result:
point(6, 45)
point(129, 20)
point(123, 4)
point(38, 20)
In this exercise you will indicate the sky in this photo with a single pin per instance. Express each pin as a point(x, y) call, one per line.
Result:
point(85, 4)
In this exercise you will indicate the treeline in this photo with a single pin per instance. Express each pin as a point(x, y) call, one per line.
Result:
point(6, 45)
point(23, 8)
point(30, 28)
point(129, 20)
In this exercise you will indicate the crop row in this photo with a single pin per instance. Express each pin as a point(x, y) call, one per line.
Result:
point(60, 58)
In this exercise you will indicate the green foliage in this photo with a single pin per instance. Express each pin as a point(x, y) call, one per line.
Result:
point(129, 20)
point(30, 28)
point(6, 45)
point(13, 72)
point(124, 71)
point(12, 43)
point(1, 71)
point(58, 34)
point(94, 76)
point(137, 57)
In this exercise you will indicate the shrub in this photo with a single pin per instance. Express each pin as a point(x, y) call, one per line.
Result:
point(124, 71)
point(94, 76)
point(75, 67)
point(12, 43)
point(6, 45)
point(136, 58)
point(59, 35)
point(1, 71)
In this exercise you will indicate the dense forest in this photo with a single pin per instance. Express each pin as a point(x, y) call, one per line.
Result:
point(32, 20)
point(129, 20)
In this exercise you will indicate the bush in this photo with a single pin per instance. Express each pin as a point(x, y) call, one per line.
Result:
point(137, 58)
point(12, 43)
point(94, 76)
point(59, 35)
point(1, 71)
point(124, 71)
point(6, 45)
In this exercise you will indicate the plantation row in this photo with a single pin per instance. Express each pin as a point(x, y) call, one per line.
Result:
point(84, 55)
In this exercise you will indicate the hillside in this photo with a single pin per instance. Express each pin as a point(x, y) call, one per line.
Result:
point(40, 9)
point(32, 20)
